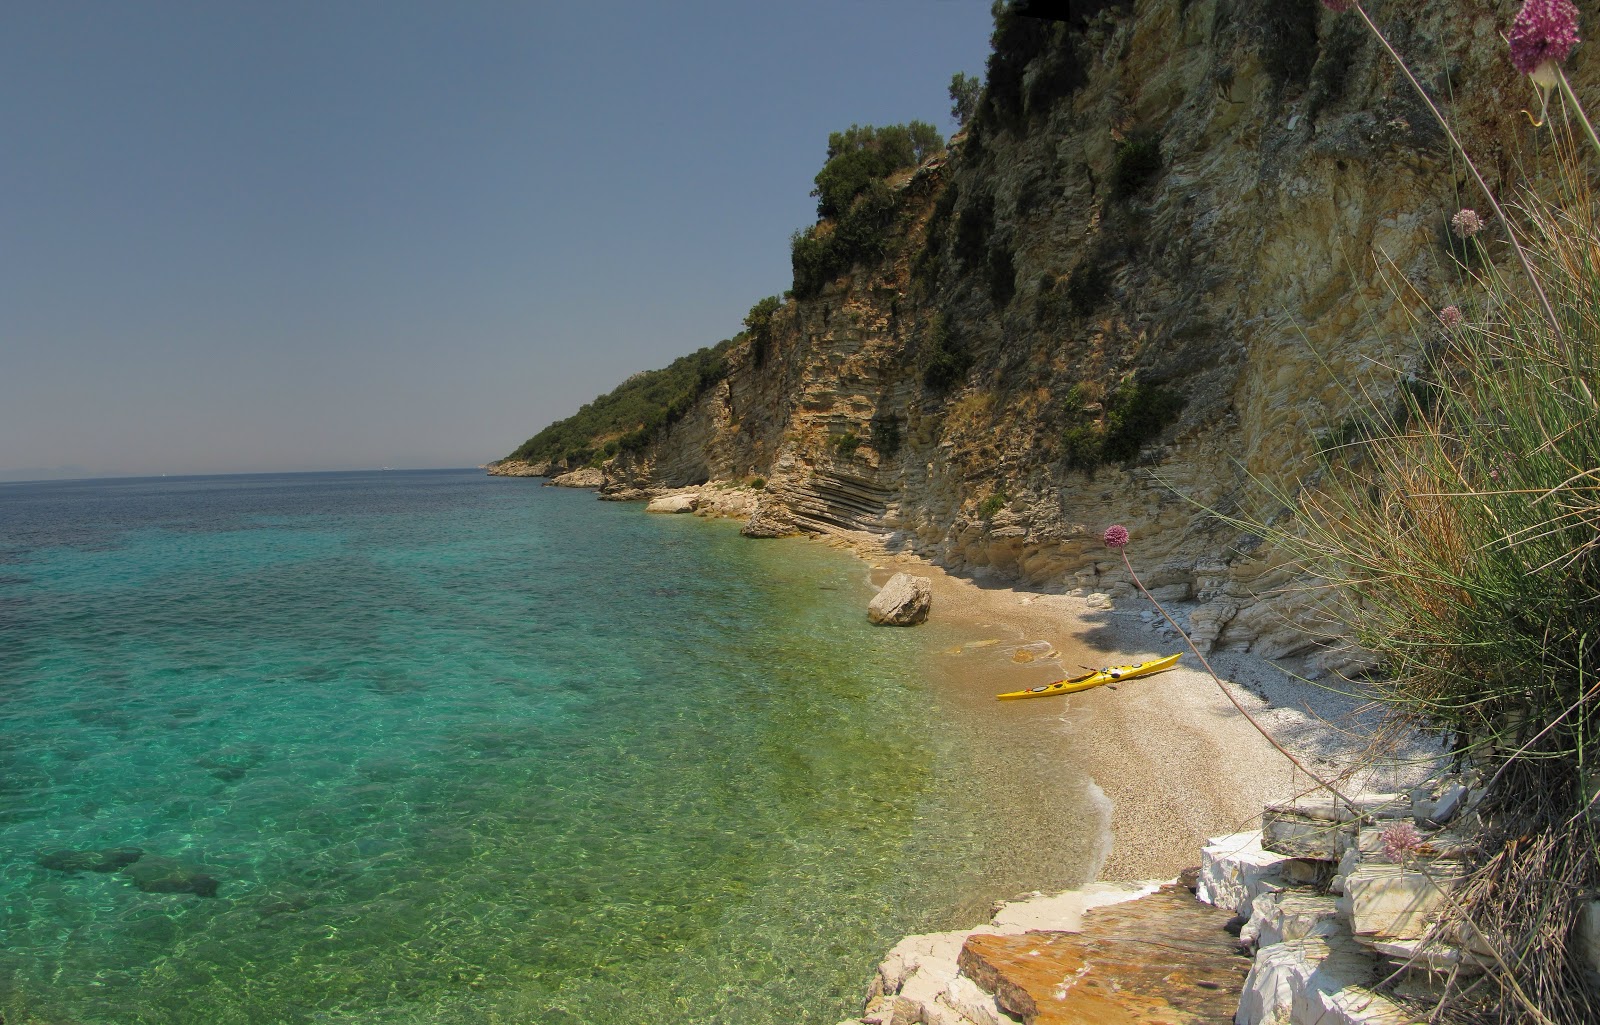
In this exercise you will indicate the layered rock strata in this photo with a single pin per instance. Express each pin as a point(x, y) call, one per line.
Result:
point(1236, 202)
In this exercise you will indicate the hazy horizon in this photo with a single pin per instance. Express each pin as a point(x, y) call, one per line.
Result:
point(350, 236)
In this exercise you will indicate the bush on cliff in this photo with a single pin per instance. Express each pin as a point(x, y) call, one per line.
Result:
point(1119, 428)
point(864, 154)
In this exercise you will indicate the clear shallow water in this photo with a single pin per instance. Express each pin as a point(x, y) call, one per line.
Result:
point(460, 749)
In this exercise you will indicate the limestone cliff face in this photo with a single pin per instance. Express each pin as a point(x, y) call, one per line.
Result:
point(1284, 254)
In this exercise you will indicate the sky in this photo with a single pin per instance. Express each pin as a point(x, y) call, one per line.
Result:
point(256, 237)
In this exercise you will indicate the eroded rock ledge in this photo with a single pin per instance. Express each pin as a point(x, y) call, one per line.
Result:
point(1301, 922)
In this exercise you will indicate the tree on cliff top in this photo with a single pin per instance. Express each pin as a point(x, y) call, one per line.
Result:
point(865, 154)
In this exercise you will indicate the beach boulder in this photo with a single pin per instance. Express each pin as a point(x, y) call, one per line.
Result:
point(684, 503)
point(904, 601)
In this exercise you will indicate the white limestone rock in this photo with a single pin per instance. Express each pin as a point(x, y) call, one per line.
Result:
point(685, 503)
point(904, 601)
point(584, 477)
point(1391, 902)
point(1304, 836)
point(1235, 870)
point(1588, 942)
point(1319, 980)
point(1289, 916)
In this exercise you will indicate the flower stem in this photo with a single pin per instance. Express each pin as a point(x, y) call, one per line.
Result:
point(1488, 193)
point(1324, 784)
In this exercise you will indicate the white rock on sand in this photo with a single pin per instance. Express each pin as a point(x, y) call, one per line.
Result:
point(903, 601)
point(683, 503)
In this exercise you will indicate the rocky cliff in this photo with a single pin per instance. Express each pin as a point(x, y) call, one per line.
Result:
point(1176, 245)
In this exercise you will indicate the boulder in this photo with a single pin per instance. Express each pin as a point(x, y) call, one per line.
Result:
point(623, 493)
point(1317, 979)
point(1235, 870)
point(1388, 901)
point(904, 601)
point(770, 519)
point(586, 477)
point(687, 503)
point(1289, 916)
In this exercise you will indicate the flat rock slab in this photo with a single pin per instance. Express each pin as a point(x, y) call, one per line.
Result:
point(1165, 958)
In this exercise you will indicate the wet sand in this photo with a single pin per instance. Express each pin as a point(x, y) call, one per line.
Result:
point(1175, 760)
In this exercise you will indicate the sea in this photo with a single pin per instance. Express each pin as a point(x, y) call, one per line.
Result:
point(433, 746)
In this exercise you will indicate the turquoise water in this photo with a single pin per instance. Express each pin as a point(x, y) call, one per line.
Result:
point(452, 748)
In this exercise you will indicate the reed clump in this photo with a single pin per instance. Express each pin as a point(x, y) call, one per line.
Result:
point(1459, 531)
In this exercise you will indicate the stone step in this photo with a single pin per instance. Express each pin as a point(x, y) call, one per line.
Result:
point(1162, 958)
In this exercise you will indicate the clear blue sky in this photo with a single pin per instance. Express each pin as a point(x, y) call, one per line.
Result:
point(282, 235)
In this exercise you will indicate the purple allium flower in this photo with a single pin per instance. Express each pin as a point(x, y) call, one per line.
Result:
point(1543, 32)
point(1450, 317)
point(1466, 222)
point(1338, 6)
point(1399, 839)
point(1116, 537)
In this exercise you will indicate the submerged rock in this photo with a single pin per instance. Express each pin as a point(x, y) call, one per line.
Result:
point(105, 860)
point(904, 601)
point(168, 875)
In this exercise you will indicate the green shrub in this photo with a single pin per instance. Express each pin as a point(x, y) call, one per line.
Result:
point(1130, 417)
point(965, 91)
point(991, 505)
point(863, 155)
point(948, 362)
point(1136, 163)
point(812, 259)
point(1080, 446)
point(758, 483)
point(846, 444)
point(1087, 286)
point(758, 327)
point(1136, 414)
point(886, 434)
point(864, 233)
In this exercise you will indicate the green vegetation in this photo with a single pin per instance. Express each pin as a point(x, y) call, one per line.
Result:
point(1136, 164)
point(859, 210)
point(886, 434)
point(1462, 549)
point(863, 155)
point(1032, 63)
point(758, 328)
point(991, 505)
point(630, 415)
point(846, 444)
point(965, 90)
point(1131, 416)
point(758, 483)
point(949, 360)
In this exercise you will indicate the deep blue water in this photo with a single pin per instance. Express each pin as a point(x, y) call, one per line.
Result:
point(439, 747)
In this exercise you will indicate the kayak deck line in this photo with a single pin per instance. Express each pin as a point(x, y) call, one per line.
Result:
point(1090, 680)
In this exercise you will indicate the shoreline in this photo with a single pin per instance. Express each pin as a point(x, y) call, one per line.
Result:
point(1175, 760)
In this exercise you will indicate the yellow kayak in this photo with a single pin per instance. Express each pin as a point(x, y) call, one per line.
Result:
point(1098, 678)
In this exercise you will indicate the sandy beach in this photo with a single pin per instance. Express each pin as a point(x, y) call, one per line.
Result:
point(1174, 758)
